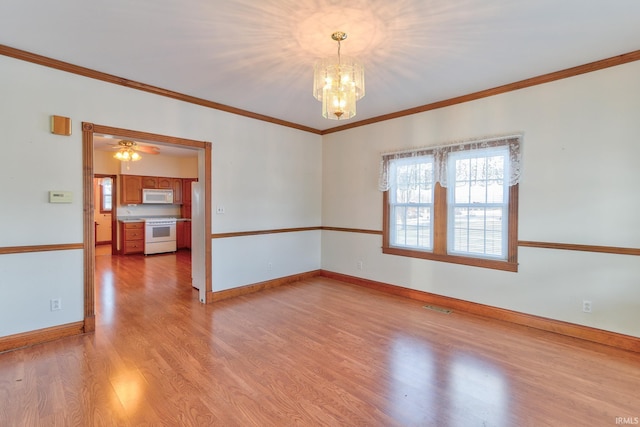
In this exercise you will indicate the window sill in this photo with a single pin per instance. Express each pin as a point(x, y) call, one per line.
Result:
point(511, 266)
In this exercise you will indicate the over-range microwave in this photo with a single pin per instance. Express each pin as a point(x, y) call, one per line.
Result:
point(157, 196)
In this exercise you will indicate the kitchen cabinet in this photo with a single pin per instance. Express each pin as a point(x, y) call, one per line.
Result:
point(132, 237)
point(187, 234)
point(176, 185)
point(131, 193)
point(149, 182)
point(132, 186)
point(185, 210)
point(183, 234)
point(164, 182)
point(180, 234)
point(186, 189)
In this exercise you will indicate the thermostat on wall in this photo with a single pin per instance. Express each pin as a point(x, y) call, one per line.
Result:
point(60, 197)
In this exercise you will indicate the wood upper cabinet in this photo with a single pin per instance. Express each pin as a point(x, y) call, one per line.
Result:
point(185, 210)
point(132, 186)
point(150, 182)
point(165, 182)
point(131, 193)
point(176, 185)
point(186, 189)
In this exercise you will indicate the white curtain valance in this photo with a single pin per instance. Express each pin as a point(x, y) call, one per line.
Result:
point(441, 154)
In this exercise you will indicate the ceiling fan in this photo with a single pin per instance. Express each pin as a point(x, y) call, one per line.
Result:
point(128, 151)
point(127, 145)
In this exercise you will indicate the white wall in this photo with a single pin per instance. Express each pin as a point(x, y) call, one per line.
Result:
point(29, 281)
point(253, 259)
point(265, 183)
point(268, 176)
point(579, 185)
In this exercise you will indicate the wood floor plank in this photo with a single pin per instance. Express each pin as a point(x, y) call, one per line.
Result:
point(313, 353)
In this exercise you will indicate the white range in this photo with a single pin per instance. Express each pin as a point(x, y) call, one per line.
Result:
point(160, 235)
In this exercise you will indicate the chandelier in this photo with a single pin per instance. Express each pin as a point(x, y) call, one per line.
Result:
point(338, 83)
point(127, 152)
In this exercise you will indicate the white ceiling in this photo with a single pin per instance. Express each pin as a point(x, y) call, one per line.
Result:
point(258, 55)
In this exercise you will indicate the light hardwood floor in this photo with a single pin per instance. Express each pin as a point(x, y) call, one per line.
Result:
point(314, 353)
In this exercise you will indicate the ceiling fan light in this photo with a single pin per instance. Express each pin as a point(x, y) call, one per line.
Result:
point(127, 154)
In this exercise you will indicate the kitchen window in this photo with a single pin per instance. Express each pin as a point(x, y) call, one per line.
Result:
point(456, 203)
point(106, 202)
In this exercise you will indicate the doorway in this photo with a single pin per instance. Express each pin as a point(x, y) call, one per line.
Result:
point(202, 253)
point(105, 190)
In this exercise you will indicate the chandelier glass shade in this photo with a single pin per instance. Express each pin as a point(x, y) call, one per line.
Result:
point(338, 83)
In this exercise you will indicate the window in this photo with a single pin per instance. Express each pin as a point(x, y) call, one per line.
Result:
point(106, 185)
point(454, 203)
point(411, 202)
point(478, 202)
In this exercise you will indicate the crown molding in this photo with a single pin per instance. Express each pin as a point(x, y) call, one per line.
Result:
point(533, 81)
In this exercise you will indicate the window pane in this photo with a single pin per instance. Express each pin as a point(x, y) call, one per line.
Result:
point(494, 227)
point(398, 218)
point(495, 191)
point(413, 183)
point(462, 190)
point(478, 231)
point(411, 202)
point(412, 227)
point(478, 203)
point(106, 187)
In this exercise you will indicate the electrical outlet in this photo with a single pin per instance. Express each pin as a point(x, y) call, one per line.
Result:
point(56, 304)
point(269, 267)
point(586, 306)
point(360, 265)
point(220, 210)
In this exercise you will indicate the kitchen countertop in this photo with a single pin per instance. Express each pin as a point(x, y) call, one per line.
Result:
point(138, 219)
point(125, 220)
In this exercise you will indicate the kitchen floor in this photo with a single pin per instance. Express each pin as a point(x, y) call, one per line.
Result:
point(103, 250)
